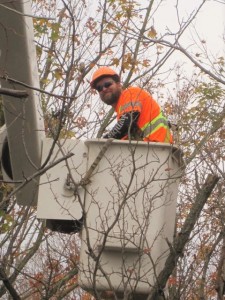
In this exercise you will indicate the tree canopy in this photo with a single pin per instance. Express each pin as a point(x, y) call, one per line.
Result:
point(176, 65)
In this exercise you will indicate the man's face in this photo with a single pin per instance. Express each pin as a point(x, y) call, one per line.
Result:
point(109, 90)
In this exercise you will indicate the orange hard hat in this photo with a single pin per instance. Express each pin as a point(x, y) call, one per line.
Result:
point(102, 72)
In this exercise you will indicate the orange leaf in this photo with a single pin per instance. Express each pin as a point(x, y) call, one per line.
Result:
point(152, 32)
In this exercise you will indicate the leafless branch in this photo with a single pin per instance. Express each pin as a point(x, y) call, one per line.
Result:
point(8, 284)
point(183, 236)
point(13, 93)
point(35, 175)
point(25, 15)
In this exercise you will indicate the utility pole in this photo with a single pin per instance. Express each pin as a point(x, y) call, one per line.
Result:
point(21, 99)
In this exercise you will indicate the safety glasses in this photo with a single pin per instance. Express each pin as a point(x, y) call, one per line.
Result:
point(106, 85)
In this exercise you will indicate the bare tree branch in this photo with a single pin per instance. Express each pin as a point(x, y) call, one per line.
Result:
point(13, 93)
point(189, 56)
point(8, 284)
point(183, 236)
point(5, 77)
point(25, 15)
point(37, 174)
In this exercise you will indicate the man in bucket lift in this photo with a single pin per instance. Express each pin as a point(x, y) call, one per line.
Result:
point(138, 114)
point(139, 118)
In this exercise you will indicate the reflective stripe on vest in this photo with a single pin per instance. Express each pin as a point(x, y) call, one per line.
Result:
point(157, 123)
point(130, 104)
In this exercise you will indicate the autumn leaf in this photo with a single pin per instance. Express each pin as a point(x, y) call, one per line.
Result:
point(152, 32)
point(115, 61)
point(172, 281)
point(58, 73)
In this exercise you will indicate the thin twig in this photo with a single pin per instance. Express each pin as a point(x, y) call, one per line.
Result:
point(8, 285)
point(37, 174)
point(183, 236)
point(24, 15)
point(14, 93)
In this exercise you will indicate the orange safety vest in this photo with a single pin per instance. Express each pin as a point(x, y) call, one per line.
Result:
point(153, 124)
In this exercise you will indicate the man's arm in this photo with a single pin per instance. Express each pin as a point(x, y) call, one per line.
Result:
point(124, 126)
